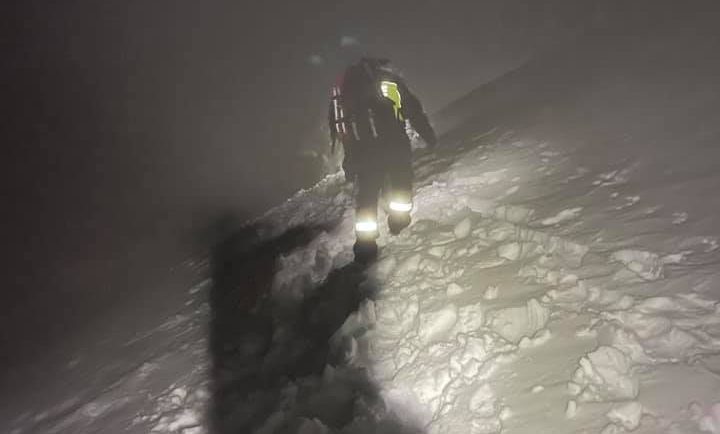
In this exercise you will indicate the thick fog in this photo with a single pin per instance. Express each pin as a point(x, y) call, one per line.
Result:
point(134, 125)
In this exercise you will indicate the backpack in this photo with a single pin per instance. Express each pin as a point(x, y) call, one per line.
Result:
point(338, 121)
point(361, 97)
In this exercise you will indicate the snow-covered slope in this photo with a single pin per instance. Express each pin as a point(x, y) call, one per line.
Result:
point(561, 275)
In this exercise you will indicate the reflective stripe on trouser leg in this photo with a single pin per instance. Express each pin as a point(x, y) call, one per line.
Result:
point(366, 226)
point(369, 183)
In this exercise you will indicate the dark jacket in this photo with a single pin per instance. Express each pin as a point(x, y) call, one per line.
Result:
point(372, 103)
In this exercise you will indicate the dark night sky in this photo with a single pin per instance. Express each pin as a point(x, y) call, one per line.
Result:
point(129, 121)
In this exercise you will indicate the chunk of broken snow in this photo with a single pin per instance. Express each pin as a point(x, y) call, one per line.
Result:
point(454, 289)
point(436, 251)
point(676, 258)
point(512, 214)
point(408, 267)
point(627, 415)
point(537, 388)
point(463, 228)
point(573, 295)
point(679, 218)
point(491, 293)
point(483, 403)
point(505, 413)
point(434, 326)
point(673, 344)
point(571, 409)
point(540, 338)
point(564, 215)
point(647, 265)
point(487, 178)
point(510, 251)
point(470, 318)
point(512, 190)
point(182, 421)
point(604, 375)
point(514, 323)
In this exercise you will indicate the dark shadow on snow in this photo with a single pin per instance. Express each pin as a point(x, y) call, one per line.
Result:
point(269, 359)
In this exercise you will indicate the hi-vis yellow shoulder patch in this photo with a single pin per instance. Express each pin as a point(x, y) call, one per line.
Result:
point(390, 91)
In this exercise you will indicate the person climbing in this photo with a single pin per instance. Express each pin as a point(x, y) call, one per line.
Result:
point(370, 105)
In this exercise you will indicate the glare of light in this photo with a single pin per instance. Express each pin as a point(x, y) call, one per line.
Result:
point(400, 206)
point(348, 41)
point(366, 226)
point(316, 59)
